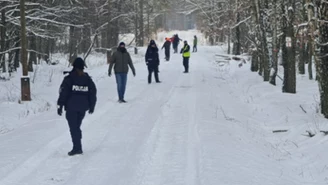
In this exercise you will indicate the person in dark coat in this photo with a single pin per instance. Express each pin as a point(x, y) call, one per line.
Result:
point(121, 61)
point(186, 55)
point(152, 61)
point(167, 47)
point(195, 44)
point(176, 42)
point(77, 94)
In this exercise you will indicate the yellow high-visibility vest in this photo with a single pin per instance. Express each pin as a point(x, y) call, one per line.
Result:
point(186, 54)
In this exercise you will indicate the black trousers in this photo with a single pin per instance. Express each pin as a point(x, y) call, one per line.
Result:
point(152, 69)
point(167, 54)
point(186, 64)
point(175, 47)
point(74, 120)
point(194, 48)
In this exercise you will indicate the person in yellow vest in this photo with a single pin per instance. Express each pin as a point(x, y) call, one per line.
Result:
point(186, 55)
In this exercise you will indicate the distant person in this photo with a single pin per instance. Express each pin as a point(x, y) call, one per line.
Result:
point(186, 55)
point(167, 47)
point(176, 42)
point(172, 41)
point(77, 94)
point(195, 44)
point(121, 61)
point(152, 61)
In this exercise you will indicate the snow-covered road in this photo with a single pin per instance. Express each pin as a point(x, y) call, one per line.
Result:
point(192, 129)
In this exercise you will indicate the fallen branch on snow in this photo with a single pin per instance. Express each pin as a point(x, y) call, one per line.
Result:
point(277, 131)
point(325, 132)
point(303, 109)
point(310, 134)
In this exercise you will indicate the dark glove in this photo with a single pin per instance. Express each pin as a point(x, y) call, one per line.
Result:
point(91, 110)
point(109, 74)
point(60, 110)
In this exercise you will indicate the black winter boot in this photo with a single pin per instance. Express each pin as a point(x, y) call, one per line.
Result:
point(77, 148)
point(75, 152)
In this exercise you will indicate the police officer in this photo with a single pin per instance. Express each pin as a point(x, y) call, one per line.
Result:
point(152, 61)
point(186, 55)
point(78, 95)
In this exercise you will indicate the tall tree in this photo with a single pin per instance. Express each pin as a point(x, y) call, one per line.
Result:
point(275, 49)
point(323, 57)
point(289, 58)
point(25, 80)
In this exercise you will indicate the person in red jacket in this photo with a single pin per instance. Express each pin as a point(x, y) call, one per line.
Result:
point(167, 47)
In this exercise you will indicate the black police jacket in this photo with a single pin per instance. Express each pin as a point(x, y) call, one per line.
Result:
point(152, 57)
point(77, 93)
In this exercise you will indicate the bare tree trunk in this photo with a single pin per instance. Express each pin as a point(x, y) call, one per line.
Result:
point(237, 44)
point(289, 85)
point(72, 45)
point(275, 49)
point(148, 21)
point(97, 43)
point(260, 71)
point(264, 69)
point(109, 32)
point(32, 56)
point(112, 28)
point(136, 25)
point(25, 80)
point(323, 59)
point(265, 52)
point(3, 38)
point(86, 39)
point(302, 58)
point(302, 49)
point(311, 43)
point(86, 32)
point(17, 51)
point(141, 24)
point(104, 41)
point(310, 58)
point(255, 61)
point(229, 41)
point(39, 48)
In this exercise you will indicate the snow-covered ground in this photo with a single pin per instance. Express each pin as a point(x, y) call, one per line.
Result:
point(212, 126)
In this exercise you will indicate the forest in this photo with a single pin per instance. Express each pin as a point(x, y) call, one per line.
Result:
point(288, 33)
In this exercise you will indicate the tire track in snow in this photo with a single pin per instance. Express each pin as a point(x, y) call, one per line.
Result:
point(172, 150)
point(193, 146)
point(150, 146)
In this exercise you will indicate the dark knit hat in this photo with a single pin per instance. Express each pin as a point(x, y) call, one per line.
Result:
point(79, 63)
point(121, 44)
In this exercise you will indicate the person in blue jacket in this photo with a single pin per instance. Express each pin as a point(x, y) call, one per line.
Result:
point(152, 61)
point(77, 94)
